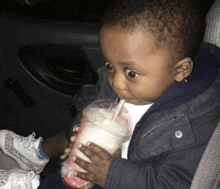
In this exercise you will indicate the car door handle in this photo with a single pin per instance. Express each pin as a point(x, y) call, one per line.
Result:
point(13, 84)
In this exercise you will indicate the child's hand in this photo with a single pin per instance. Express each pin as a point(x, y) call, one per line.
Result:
point(101, 161)
point(70, 145)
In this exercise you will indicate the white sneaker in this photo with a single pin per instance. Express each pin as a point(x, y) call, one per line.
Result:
point(24, 150)
point(18, 179)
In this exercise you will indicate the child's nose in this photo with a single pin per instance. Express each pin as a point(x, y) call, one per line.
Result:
point(119, 81)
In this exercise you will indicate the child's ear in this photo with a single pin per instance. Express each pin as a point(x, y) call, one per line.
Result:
point(183, 69)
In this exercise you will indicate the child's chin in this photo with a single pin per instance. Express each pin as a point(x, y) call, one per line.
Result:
point(131, 101)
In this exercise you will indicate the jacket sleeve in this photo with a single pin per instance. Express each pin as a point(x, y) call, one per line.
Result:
point(167, 171)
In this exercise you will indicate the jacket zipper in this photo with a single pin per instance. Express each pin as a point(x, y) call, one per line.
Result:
point(158, 125)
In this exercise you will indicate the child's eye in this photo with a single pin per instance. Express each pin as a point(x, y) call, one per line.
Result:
point(131, 74)
point(108, 66)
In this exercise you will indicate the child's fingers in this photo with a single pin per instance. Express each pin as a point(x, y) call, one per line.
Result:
point(63, 156)
point(102, 153)
point(85, 176)
point(75, 131)
point(67, 150)
point(66, 153)
point(98, 150)
point(77, 128)
point(73, 138)
point(98, 167)
point(84, 164)
point(89, 153)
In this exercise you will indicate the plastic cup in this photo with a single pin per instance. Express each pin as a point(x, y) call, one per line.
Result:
point(97, 126)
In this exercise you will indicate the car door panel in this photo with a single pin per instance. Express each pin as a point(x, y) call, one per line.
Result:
point(50, 60)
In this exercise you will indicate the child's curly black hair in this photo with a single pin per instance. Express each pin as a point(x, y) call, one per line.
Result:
point(177, 25)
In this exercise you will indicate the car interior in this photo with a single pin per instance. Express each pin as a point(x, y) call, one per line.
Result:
point(44, 62)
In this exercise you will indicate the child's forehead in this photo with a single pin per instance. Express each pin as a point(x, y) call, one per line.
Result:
point(121, 44)
point(115, 35)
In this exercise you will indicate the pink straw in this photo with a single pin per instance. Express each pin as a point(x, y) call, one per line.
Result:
point(118, 109)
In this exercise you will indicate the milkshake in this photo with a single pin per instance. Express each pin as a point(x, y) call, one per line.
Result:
point(103, 124)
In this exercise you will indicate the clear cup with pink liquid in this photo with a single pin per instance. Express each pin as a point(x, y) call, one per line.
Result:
point(105, 123)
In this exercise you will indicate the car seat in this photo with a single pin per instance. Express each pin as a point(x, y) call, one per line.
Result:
point(207, 175)
point(212, 33)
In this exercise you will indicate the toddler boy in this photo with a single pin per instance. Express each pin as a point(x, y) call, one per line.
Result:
point(148, 48)
point(173, 101)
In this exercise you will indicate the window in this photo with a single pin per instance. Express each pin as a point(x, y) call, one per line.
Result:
point(70, 10)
